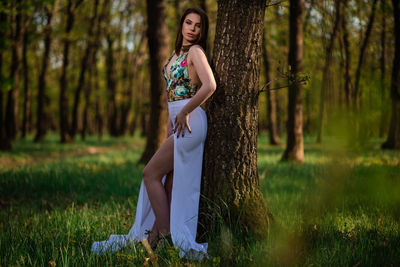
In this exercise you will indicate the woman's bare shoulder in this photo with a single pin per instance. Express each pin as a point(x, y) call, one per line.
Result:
point(196, 49)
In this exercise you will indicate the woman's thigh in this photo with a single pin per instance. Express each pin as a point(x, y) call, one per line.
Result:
point(162, 161)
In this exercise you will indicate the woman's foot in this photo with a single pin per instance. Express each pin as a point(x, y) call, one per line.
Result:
point(153, 239)
point(164, 241)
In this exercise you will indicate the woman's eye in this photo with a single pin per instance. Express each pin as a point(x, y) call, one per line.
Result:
point(198, 26)
point(187, 22)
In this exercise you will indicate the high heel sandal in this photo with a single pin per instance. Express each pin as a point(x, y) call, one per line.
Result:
point(153, 242)
point(165, 241)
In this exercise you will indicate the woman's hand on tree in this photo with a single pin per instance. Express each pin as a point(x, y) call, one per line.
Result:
point(181, 121)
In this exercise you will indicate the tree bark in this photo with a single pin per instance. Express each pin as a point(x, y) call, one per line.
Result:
point(326, 74)
point(230, 176)
point(111, 87)
point(41, 113)
point(12, 108)
point(270, 97)
point(63, 100)
point(27, 110)
point(93, 46)
point(393, 139)
point(84, 66)
point(99, 116)
point(5, 142)
point(134, 64)
point(159, 50)
point(294, 144)
point(383, 71)
point(347, 77)
point(356, 96)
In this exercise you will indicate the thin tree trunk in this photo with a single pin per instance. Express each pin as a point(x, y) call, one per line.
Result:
point(111, 88)
point(158, 48)
point(393, 139)
point(294, 144)
point(326, 75)
point(270, 97)
point(27, 110)
point(357, 93)
point(12, 108)
point(63, 100)
point(383, 71)
point(99, 116)
point(85, 114)
point(177, 5)
point(133, 66)
point(5, 142)
point(230, 176)
point(92, 49)
point(83, 69)
point(41, 112)
point(347, 77)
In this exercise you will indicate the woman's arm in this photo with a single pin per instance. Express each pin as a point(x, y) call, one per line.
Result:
point(207, 88)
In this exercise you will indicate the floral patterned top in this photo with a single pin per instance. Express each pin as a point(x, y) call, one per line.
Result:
point(178, 85)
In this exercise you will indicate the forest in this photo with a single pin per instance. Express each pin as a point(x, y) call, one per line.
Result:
point(302, 157)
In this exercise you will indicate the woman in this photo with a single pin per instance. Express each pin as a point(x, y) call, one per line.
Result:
point(190, 82)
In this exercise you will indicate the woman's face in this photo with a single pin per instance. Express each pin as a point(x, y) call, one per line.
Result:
point(191, 27)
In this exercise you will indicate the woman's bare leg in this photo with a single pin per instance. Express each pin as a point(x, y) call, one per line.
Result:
point(168, 187)
point(161, 163)
point(154, 235)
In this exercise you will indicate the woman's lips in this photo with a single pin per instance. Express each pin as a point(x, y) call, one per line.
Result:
point(191, 35)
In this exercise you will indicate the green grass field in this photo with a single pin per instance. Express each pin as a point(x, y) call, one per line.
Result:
point(340, 207)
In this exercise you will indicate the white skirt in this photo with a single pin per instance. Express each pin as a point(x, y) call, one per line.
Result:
point(188, 160)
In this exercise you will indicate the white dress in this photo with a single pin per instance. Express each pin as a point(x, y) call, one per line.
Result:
point(188, 159)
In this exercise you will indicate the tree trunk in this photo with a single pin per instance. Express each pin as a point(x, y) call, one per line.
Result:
point(41, 113)
point(63, 100)
point(384, 114)
point(326, 74)
point(12, 108)
point(111, 88)
point(133, 66)
point(93, 46)
point(177, 6)
point(294, 144)
point(356, 96)
point(230, 176)
point(81, 80)
point(5, 143)
point(27, 90)
point(393, 139)
point(270, 97)
point(347, 77)
point(159, 50)
point(99, 116)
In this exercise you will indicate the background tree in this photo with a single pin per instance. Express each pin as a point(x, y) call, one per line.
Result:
point(63, 101)
point(361, 58)
point(12, 108)
point(5, 142)
point(326, 76)
point(393, 139)
point(270, 96)
point(294, 143)
point(159, 50)
point(42, 99)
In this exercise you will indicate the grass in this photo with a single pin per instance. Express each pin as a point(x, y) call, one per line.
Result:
point(340, 207)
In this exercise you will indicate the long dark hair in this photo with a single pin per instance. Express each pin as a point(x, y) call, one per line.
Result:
point(202, 40)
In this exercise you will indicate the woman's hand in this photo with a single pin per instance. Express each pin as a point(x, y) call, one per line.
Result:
point(181, 121)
